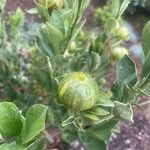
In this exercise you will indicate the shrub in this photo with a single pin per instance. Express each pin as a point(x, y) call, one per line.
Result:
point(71, 85)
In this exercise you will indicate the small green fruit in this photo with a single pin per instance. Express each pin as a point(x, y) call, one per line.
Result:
point(122, 33)
point(72, 48)
point(78, 91)
point(82, 36)
point(119, 52)
point(102, 81)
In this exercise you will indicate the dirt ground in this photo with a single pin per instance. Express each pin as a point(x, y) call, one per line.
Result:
point(134, 136)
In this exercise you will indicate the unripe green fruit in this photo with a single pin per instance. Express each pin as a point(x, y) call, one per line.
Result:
point(123, 33)
point(102, 81)
point(72, 48)
point(119, 52)
point(82, 36)
point(78, 91)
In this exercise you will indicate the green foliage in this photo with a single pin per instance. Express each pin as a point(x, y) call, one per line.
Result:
point(34, 123)
point(11, 122)
point(123, 111)
point(145, 38)
point(91, 141)
point(126, 76)
point(11, 146)
point(20, 128)
point(17, 18)
point(103, 131)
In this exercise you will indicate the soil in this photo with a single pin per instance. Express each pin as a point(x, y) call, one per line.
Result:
point(134, 136)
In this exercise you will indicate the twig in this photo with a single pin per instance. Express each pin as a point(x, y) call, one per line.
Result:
point(49, 137)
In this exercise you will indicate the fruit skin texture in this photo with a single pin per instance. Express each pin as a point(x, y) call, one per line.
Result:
point(119, 52)
point(78, 91)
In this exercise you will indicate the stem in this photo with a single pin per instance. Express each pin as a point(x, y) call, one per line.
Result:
point(146, 83)
point(50, 65)
point(49, 137)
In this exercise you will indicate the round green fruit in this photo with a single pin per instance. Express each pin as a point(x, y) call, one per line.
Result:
point(82, 36)
point(123, 33)
point(78, 91)
point(72, 48)
point(119, 52)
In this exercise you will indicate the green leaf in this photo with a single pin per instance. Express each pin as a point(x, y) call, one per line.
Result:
point(55, 37)
point(147, 90)
point(40, 46)
point(123, 7)
point(117, 90)
point(105, 119)
point(103, 131)
point(99, 111)
point(111, 25)
point(126, 72)
point(68, 121)
point(57, 21)
point(123, 111)
point(104, 100)
point(17, 19)
point(69, 135)
point(84, 4)
point(10, 119)
point(145, 38)
point(91, 116)
point(92, 142)
point(38, 145)
point(146, 67)
point(93, 61)
point(118, 7)
point(34, 123)
point(11, 146)
point(127, 95)
point(114, 6)
point(44, 44)
point(145, 86)
point(10, 91)
point(77, 31)
point(42, 11)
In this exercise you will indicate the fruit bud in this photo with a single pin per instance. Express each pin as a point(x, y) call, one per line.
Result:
point(119, 52)
point(72, 48)
point(123, 33)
